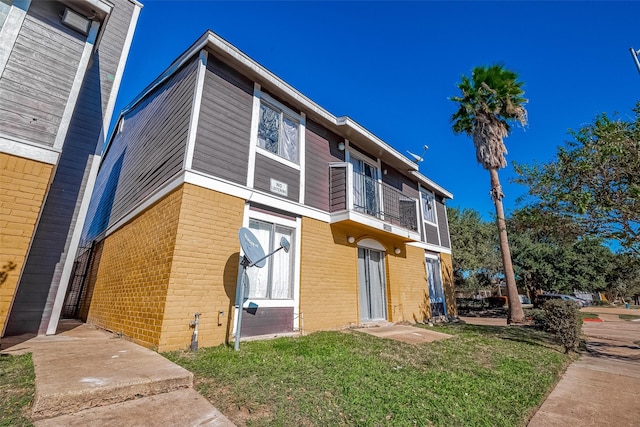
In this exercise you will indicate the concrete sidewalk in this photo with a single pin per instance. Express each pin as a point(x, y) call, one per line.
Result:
point(89, 377)
point(602, 387)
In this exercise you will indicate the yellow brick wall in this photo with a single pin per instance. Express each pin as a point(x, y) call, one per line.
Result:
point(407, 285)
point(328, 277)
point(205, 269)
point(133, 273)
point(23, 184)
point(446, 265)
point(329, 291)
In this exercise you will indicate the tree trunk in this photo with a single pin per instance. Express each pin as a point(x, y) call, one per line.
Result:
point(515, 313)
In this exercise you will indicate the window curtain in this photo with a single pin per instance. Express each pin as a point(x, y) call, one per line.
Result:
point(281, 276)
point(259, 277)
point(289, 139)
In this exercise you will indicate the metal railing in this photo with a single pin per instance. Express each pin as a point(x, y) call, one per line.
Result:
point(362, 193)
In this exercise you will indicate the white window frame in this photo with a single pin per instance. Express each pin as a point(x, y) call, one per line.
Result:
point(269, 261)
point(295, 225)
point(424, 191)
point(284, 110)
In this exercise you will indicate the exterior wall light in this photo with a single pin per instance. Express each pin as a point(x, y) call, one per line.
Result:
point(341, 146)
point(397, 251)
point(351, 239)
point(76, 21)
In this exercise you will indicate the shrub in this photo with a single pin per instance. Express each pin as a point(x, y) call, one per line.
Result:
point(562, 318)
point(538, 316)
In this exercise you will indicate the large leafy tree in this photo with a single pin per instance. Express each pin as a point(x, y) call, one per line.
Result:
point(490, 101)
point(594, 180)
point(476, 255)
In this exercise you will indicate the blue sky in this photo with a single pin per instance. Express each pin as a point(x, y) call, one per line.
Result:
point(391, 66)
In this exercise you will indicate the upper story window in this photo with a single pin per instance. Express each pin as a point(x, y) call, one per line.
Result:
point(278, 132)
point(5, 7)
point(428, 206)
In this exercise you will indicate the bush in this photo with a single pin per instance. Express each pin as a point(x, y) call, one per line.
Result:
point(538, 316)
point(562, 318)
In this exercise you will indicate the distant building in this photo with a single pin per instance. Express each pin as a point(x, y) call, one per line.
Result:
point(216, 143)
point(60, 68)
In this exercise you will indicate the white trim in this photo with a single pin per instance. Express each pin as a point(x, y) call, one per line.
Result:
point(225, 187)
point(369, 243)
point(30, 151)
point(146, 203)
point(296, 226)
point(98, 4)
point(70, 255)
point(253, 136)
point(11, 29)
point(296, 275)
point(70, 107)
point(256, 196)
point(430, 247)
point(302, 158)
point(195, 110)
point(78, 226)
point(276, 158)
point(355, 216)
point(115, 88)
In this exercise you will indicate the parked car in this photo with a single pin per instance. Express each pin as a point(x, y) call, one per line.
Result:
point(540, 299)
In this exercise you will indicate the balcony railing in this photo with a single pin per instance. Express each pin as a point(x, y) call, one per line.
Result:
point(352, 191)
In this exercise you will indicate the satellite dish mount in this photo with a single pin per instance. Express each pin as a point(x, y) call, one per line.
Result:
point(420, 158)
point(253, 257)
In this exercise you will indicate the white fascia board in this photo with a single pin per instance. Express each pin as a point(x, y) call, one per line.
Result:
point(100, 5)
point(431, 185)
point(350, 215)
point(29, 150)
point(430, 247)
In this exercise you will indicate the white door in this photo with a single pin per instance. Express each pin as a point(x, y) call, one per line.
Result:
point(373, 296)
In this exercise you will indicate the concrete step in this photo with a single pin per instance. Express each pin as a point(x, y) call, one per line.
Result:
point(177, 408)
point(87, 368)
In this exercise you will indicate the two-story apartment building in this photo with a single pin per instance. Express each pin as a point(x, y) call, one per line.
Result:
point(60, 68)
point(216, 143)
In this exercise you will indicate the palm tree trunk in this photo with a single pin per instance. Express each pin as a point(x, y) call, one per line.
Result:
point(515, 314)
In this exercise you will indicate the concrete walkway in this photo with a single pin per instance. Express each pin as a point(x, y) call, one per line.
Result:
point(89, 377)
point(602, 387)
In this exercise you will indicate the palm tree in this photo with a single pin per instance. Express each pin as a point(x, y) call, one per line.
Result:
point(491, 100)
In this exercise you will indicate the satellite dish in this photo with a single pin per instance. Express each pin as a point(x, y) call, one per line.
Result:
point(284, 243)
point(416, 158)
point(252, 248)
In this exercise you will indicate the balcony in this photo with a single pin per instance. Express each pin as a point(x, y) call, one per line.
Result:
point(365, 200)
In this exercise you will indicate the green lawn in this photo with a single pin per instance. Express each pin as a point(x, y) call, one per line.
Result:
point(628, 316)
point(17, 388)
point(485, 376)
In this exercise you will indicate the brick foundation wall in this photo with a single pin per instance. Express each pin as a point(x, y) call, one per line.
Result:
point(132, 281)
point(205, 269)
point(23, 185)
